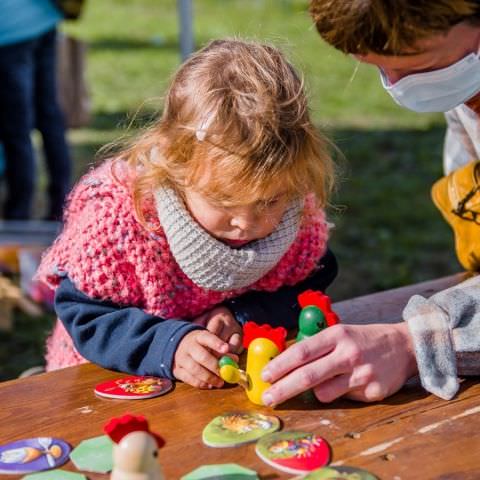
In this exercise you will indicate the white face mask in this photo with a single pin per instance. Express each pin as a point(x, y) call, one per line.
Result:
point(438, 90)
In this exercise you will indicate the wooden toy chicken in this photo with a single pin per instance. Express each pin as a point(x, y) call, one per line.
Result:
point(135, 450)
point(263, 343)
point(316, 314)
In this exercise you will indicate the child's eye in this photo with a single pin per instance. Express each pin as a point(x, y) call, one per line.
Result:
point(220, 205)
point(270, 202)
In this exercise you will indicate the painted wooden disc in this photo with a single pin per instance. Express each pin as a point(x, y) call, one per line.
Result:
point(294, 452)
point(236, 428)
point(134, 388)
point(33, 455)
point(339, 473)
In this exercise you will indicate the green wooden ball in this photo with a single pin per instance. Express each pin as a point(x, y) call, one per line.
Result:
point(311, 321)
point(225, 360)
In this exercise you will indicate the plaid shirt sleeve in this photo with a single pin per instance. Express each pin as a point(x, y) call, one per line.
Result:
point(446, 335)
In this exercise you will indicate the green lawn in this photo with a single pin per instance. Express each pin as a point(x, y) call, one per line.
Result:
point(387, 231)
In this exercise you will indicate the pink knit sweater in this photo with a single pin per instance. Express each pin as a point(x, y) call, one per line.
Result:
point(109, 255)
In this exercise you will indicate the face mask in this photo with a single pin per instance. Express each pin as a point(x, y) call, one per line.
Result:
point(438, 90)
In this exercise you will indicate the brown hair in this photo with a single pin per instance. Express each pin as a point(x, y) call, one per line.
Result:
point(387, 27)
point(236, 110)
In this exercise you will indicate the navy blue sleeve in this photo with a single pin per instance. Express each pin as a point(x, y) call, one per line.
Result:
point(280, 308)
point(119, 338)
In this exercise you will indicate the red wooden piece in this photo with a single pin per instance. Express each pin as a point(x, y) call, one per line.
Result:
point(321, 301)
point(119, 427)
point(251, 331)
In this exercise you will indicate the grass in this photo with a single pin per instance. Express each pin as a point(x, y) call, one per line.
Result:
point(387, 232)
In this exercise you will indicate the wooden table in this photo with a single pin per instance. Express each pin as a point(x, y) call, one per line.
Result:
point(411, 435)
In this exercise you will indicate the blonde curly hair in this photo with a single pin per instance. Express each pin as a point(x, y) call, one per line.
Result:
point(235, 127)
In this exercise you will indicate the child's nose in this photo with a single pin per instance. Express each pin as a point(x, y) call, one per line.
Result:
point(244, 221)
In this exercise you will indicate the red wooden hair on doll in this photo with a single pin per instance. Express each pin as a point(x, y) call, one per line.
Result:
point(251, 331)
point(119, 427)
point(321, 301)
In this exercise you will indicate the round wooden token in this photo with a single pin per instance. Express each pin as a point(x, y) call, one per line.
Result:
point(237, 428)
point(339, 473)
point(134, 388)
point(294, 452)
point(33, 455)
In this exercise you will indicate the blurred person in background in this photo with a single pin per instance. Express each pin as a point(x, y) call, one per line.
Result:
point(28, 100)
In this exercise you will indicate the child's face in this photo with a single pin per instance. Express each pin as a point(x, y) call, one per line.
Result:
point(236, 225)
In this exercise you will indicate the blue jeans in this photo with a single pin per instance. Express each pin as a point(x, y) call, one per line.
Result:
point(28, 100)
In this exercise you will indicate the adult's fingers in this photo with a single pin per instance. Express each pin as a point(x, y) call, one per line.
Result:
point(299, 354)
point(333, 388)
point(357, 383)
point(372, 392)
point(304, 378)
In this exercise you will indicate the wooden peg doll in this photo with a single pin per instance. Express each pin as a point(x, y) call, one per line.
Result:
point(135, 450)
point(316, 314)
point(263, 343)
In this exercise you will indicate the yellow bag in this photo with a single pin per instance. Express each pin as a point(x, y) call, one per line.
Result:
point(457, 196)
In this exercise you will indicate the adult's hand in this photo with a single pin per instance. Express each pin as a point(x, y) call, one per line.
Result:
point(361, 362)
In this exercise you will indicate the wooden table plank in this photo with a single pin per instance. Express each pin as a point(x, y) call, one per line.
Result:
point(411, 435)
point(63, 404)
point(387, 306)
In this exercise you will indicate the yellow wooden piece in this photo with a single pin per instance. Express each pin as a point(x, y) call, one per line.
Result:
point(260, 352)
point(230, 374)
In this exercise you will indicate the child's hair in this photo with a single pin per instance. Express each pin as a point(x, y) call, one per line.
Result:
point(387, 27)
point(235, 126)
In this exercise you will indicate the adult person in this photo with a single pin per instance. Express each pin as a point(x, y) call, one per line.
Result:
point(28, 100)
point(427, 56)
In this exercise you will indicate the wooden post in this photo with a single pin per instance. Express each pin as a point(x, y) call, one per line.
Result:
point(185, 15)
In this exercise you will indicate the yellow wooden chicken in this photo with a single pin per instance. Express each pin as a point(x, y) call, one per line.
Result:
point(263, 343)
point(135, 450)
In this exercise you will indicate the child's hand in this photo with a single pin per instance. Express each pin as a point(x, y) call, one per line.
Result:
point(222, 323)
point(195, 361)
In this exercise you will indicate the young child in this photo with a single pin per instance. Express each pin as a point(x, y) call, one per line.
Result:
point(212, 217)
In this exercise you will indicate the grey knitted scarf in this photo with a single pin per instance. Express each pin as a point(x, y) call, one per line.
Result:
point(210, 263)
